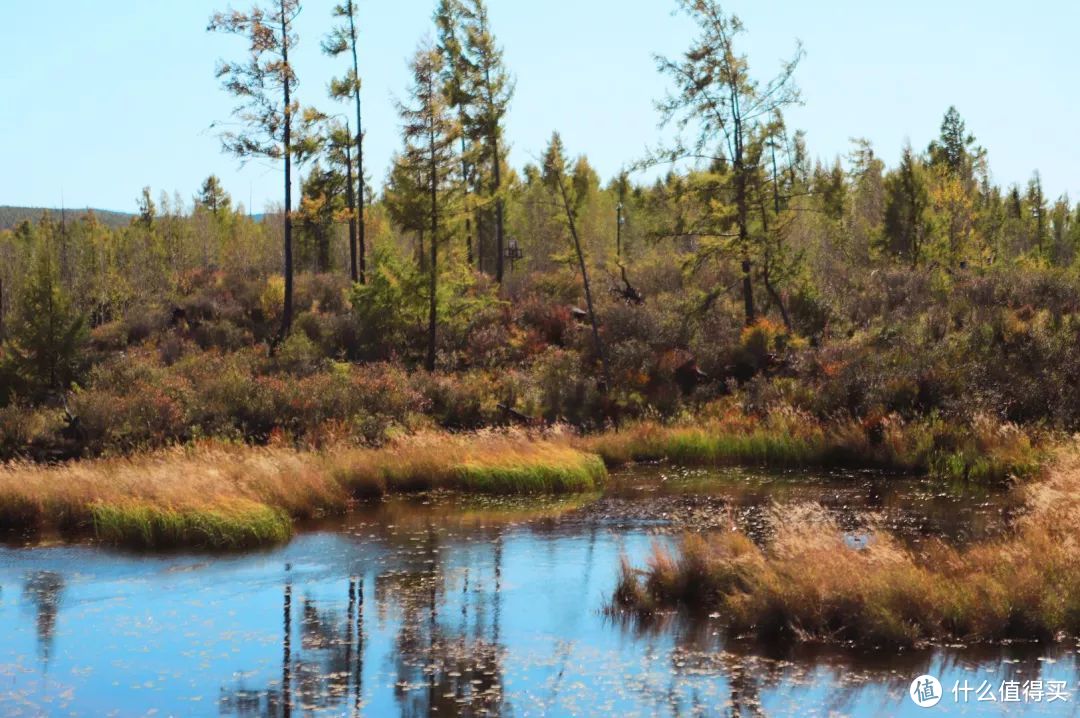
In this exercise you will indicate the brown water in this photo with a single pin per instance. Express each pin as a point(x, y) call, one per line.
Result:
point(444, 605)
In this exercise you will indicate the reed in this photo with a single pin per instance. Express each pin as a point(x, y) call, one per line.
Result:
point(809, 584)
point(230, 496)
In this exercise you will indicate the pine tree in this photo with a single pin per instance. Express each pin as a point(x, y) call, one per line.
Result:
point(266, 116)
point(906, 203)
point(46, 344)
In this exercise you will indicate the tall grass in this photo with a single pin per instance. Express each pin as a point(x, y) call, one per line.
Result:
point(222, 496)
point(980, 451)
point(809, 584)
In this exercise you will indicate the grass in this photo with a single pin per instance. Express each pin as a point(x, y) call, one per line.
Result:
point(983, 451)
point(480, 463)
point(808, 584)
point(221, 496)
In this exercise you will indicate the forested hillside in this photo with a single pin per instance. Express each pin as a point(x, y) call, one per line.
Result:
point(11, 217)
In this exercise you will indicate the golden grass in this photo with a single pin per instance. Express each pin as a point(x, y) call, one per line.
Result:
point(808, 584)
point(224, 496)
point(986, 451)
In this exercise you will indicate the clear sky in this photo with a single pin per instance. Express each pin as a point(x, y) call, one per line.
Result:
point(101, 97)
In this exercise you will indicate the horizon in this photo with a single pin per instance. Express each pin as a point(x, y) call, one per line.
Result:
point(854, 69)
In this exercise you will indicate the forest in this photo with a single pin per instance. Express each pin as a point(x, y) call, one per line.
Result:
point(749, 305)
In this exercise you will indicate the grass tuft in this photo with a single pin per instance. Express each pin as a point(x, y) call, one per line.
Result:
point(809, 584)
point(232, 525)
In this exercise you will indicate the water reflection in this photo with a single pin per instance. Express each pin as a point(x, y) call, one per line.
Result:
point(439, 606)
point(43, 590)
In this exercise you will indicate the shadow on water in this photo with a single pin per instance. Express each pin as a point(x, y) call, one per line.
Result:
point(444, 605)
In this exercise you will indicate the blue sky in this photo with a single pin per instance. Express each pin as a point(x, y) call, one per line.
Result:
point(102, 97)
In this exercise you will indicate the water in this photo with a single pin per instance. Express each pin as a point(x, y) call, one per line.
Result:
point(444, 606)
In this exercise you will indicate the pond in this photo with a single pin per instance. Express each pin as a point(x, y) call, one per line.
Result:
point(443, 605)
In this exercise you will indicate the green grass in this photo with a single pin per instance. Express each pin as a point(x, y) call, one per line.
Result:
point(578, 473)
point(234, 526)
point(982, 452)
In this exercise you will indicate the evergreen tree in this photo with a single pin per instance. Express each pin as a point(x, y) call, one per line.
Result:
point(266, 115)
point(430, 134)
point(906, 202)
point(45, 346)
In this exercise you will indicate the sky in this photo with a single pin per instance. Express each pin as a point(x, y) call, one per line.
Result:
point(99, 98)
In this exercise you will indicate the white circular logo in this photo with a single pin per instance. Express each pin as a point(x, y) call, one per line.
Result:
point(925, 691)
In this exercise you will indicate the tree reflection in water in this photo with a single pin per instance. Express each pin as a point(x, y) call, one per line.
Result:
point(44, 590)
point(445, 662)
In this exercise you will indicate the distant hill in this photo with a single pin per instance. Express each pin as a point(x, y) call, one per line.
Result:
point(11, 216)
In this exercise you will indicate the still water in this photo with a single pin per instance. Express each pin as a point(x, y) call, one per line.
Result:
point(436, 605)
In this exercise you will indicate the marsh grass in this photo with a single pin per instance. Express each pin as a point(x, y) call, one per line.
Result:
point(229, 525)
point(492, 463)
point(983, 451)
point(218, 496)
point(809, 584)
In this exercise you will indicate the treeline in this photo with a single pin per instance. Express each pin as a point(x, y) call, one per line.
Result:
point(745, 273)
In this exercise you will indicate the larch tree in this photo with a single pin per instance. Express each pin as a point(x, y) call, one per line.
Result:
point(264, 84)
point(569, 195)
point(430, 133)
point(213, 197)
point(457, 69)
point(343, 39)
point(716, 94)
point(490, 89)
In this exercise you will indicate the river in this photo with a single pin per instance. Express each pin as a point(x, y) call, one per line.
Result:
point(444, 605)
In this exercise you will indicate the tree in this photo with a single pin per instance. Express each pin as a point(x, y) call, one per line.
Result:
point(322, 202)
point(716, 93)
point(906, 203)
point(955, 149)
point(430, 134)
point(213, 197)
point(46, 343)
point(479, 89)
point(342, 39)
point(147, 209)
point(572, 199)
point(264, 84)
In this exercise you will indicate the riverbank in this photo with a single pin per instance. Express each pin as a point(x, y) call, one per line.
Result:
point(811, 584)
point(232, 496)
point(217, 496)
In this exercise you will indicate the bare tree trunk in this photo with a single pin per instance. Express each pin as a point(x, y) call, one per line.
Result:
point(287, 312)
point(585, 280)
point(433, 269)
point(362, 273)
point(350, 197)
point(496, 174)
